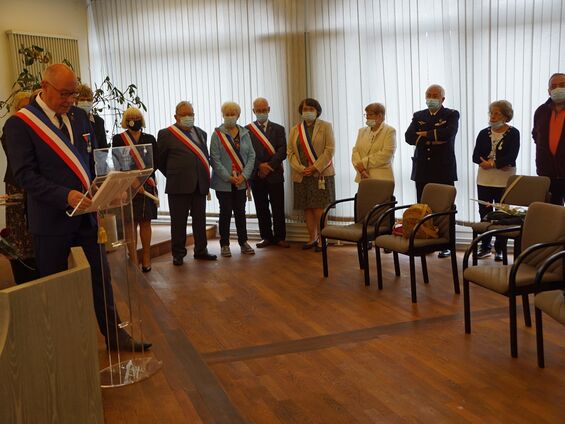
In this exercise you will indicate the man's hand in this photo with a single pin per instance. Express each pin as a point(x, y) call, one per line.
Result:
point(264, 169)
point(74, 198)
point(422, 133)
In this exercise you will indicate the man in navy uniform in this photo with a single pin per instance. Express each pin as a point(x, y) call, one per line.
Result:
point(47, 144)
point(432, 131)
point(267, 183)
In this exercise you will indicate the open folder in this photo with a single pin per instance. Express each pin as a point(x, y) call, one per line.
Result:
point(112, 191)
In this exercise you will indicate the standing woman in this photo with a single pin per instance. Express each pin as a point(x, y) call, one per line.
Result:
point(496, 150)
point(144, 208)
point(375, 146)
point(233, 160)
point(310, 151)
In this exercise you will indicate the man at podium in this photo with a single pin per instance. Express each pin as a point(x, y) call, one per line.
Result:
point(48, 147)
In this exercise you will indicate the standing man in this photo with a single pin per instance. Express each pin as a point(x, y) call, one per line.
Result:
point(184, 161)
point(432, 132)
point(49, 155)
point(549, 135)
point(267, 183)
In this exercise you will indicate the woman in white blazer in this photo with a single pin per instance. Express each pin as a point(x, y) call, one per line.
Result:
point(375, 146)
point(310, 151)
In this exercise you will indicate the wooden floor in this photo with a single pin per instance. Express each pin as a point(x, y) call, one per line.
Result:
point(267, 339)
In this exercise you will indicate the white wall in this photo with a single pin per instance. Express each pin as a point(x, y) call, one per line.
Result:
point(52, 17)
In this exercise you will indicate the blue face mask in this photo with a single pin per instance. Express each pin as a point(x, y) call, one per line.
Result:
point(262, 117)
point(85, 105)
point(433, 104)
point(229, 121)
point(309, 116)
point(558, 94)
point(187, 121)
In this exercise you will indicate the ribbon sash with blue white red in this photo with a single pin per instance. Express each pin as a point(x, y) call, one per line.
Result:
point(262, 137)
point(139, 162)
point(187, 140)
point(306, 143)
point(227, 142)
point(54, 138)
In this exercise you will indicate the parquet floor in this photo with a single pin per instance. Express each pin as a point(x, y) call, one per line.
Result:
point(267, 339)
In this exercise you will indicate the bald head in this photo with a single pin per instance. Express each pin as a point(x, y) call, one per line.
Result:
point(59, 87)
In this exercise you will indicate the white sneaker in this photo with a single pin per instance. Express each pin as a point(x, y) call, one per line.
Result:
point(246, 249)
point(226, 252)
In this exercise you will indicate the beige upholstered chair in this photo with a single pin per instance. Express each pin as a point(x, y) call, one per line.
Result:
point(441, 200)
point(543, 234)
point(372, 199)
point(551, 302)
point(525, 191)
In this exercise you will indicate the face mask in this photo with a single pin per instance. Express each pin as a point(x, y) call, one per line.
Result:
point(187, 121)
point(433, 104)
point(558, 94)
point(85, 105)
point(496, 125)
point(371, 123)
point(262, 117)
point(134, 125)
point(229, 121)
point(309, 116)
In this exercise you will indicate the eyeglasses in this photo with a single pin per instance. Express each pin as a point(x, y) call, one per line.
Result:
point(64, 94)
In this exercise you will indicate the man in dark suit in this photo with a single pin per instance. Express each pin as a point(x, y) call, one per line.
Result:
point(432, 131)
point(48, 153)
point(267, 183)
point(184, 160)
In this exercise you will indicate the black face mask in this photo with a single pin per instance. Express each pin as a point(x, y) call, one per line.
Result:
point(134, 125)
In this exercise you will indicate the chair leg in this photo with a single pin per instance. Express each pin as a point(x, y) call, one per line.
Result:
point(379, 267)
point(505, 254)
point(396, 264)
point(454, 271)
point(513, 327)
point(539, 338)
point(366, 263)
point(467, 306)
point(324, 256)
point(475, 260)
point(425, 269)
point(360, 255)
point(413, 279)
point(526, 309)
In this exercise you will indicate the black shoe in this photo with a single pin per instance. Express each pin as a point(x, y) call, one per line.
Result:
point(317, 248)
point(263, 243)
point(282, 243)
point(145, 268)
point(498, 257)
point(483, 253)
point(310, 245)
point(177, 260)
point(127, 344)
point(444, 253)
point(205, 256)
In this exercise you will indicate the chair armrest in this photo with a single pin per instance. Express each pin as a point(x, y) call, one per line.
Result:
point(544, 267)
point(424, 219)
point(331, 205)
point(372, 212)
point(477, 239)
point(533, 248)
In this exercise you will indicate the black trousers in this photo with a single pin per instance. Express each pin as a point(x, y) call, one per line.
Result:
point(557, 190)
point(420, 187)
point(265, 193)
point(51, 256)
point(179, 206)
point(232, 201)
point(493, 195)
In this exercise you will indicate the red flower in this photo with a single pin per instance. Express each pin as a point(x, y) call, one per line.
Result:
point(4, 233)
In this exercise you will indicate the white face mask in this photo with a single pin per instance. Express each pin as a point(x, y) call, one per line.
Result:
point(187, 121)
point(262, 117)
point(371, 123)
point(85, 105)
point(309, 116)
point(433, 104)
point(229, 121)
point(496, 125)
point(558, 94)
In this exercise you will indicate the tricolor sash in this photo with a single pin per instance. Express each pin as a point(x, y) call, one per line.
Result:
point(306, 143)
point(139, 162)
point(227, 142)
point(192, 146)
point(56, 140)
point(262, 137)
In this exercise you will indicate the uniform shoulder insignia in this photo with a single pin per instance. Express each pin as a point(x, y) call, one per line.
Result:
point(440, 122)
point(422, 122)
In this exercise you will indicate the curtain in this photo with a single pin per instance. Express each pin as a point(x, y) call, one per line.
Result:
point(346, 54)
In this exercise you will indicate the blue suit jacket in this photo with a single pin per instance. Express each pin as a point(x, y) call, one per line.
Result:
point(221, 161)
point(45, 177)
